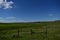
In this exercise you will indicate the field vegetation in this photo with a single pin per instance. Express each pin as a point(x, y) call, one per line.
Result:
point(30, 31)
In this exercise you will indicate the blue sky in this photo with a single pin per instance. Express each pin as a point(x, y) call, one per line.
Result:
point(30, 10)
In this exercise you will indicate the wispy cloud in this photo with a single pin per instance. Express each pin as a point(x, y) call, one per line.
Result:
point(1, 18)
point(10, 20)
point(10, 17)
point(50, 15)
point(5, 4)
point(7, 19)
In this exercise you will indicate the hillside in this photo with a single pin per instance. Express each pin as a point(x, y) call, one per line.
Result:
point(5, 26)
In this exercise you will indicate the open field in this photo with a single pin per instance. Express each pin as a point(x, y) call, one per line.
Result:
point(30, 31)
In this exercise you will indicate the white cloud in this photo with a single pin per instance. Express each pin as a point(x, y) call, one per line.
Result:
point(5, 5)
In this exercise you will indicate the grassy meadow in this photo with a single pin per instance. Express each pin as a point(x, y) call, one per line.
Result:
point(30, 31)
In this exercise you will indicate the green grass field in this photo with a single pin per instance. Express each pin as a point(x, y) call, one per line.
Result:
point(40, 31)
